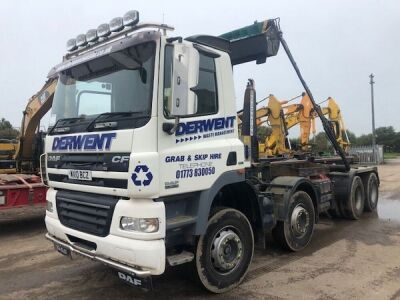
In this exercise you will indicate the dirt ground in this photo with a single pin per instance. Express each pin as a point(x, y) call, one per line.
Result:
point(345, 260)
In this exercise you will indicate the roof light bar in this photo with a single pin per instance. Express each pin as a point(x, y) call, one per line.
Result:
point(117, 27)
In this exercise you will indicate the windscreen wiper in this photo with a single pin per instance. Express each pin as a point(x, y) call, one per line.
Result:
point(95, 124)
point(63, 129)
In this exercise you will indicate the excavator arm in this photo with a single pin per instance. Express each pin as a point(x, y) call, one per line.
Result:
point(301, 114)
point(38, 105)
point(275, 144)
point(337, 122)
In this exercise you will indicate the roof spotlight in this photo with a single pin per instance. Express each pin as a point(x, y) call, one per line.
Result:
point(91, 35)
point(71, 45)
point(103, 30)
point(131, 18)
point(81, 40)
point(116, 24)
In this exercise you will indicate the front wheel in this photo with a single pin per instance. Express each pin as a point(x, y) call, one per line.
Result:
point(225, 251)
point(296, 231)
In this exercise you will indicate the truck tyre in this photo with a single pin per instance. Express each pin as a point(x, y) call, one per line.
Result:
point(295, 233)
point(225, 251)
point(371, 193)
point(355, 201)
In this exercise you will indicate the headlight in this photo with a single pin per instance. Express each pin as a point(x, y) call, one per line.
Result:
point(147, 225)
point(71, 45)
point(91, 35)
point(81, 40)
point(131, 18)
point(49, 206)
point(116, 24)
point(103, 30)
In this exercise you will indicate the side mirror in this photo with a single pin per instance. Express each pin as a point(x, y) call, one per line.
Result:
point(184, 76)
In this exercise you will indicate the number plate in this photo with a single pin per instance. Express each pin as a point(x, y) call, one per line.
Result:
point(80, 175)
point(63, 250)
point(133, 280)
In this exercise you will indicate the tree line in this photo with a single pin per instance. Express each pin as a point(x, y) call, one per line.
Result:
point(7, 131)
point(386, 136)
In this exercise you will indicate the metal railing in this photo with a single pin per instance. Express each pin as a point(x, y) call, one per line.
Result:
point(365, 154)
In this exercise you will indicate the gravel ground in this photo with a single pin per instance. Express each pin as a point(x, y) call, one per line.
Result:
point(345, 260)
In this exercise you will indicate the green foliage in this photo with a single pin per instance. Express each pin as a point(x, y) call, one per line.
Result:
point(322, 144)
point(7, 131)
point(352, 137)
point(263, 132)
point(386, 136)
point(389, 155)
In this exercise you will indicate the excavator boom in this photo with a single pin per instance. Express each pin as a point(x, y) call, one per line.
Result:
point(38, 105)
point(335, 117)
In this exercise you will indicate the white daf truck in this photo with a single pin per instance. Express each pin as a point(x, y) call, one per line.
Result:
point(147, 168)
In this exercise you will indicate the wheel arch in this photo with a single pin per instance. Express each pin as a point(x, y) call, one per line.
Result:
point(233, 191)
point(283, 187)
point(207, 197)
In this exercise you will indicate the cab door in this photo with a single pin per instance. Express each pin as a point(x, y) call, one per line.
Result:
point(195, 154)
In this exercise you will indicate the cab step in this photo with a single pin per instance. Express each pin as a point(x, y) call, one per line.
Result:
point(180, 258)
point(180, 221)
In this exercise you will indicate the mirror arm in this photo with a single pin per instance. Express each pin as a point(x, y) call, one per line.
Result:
point(173, 39)
point(169, 127)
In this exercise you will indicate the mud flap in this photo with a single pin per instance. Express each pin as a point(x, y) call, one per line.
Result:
point(133, 280)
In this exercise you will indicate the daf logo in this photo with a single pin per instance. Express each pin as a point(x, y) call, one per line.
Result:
point(119, 159)
point(129, 279)
point(54, 157)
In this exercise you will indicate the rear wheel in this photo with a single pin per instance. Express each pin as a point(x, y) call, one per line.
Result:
point(355, 201)
point(295, 233)
point(225, 251)
point(372, 193)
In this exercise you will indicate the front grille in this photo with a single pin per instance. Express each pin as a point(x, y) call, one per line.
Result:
point(102, 182)
point(110, 162)
point(90, 213)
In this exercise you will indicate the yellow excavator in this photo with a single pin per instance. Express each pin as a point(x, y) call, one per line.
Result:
point(29, 145)
point(276, 143)
point(7, 153)
point(21, 186)
point(305, 115)
point(281, 118)
point(337, 122)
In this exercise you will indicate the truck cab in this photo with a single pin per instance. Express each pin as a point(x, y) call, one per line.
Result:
point(113, 163)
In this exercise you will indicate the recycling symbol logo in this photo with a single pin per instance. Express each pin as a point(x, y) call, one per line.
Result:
point(142, 171)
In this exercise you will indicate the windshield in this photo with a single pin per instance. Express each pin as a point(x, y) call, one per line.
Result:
point(118, 82)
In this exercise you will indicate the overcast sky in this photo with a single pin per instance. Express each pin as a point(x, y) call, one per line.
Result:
point(336, 44)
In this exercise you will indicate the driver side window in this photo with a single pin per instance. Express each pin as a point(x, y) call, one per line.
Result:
point(206, 89)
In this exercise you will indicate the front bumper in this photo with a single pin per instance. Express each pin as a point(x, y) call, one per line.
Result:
point(108, 262)
point(140, 257)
